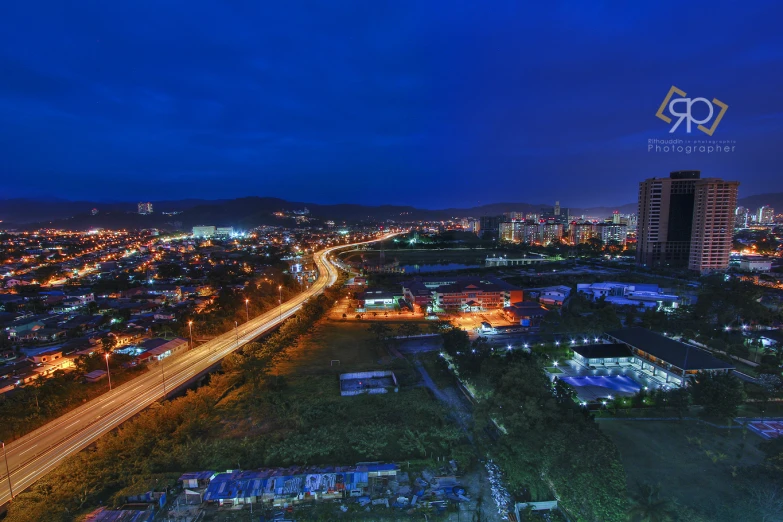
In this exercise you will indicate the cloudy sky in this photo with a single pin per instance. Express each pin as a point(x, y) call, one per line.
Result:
point(427, 103)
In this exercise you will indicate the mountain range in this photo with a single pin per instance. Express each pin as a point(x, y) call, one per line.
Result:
point(249, 212)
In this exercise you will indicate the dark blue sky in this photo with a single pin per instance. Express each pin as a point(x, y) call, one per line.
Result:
point(427, 103)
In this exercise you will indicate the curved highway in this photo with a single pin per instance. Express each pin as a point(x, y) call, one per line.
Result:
point(40, 451)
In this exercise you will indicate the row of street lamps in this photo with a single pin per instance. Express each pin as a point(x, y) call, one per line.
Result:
point(162, 369)
point(190, 329)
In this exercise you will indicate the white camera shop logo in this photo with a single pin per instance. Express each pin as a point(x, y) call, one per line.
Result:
point(682, 108)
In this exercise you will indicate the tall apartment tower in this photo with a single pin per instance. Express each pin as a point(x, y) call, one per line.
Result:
point(715, 201)
point(681, 221)
point(665, 219)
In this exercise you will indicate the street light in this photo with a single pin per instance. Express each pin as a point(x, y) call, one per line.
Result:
point(247, 310)
point(7, 471)
point(190, 327)
point(236, 330)
point(280, 289)
point(107, 370)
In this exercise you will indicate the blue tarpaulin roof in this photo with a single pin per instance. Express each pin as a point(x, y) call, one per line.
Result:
point(291, 481)
point(197, 475)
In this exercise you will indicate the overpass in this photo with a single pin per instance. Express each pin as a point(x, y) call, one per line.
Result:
point(40, 451)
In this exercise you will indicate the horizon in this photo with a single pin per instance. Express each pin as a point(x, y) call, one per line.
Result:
point(415, 104)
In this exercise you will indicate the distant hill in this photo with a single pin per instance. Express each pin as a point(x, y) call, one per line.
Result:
point(249, 212)
point(775, 200)
point(22, 210)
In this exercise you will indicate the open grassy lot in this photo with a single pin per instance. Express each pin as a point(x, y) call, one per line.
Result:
point(698, 465)
point(348, 342)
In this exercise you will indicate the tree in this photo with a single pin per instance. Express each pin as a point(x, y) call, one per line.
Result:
point(719, 393)
point(408, 329)
point(680, 400)
point(382, 331)
point(455, 341)
point(108, 343)
point(648, 506)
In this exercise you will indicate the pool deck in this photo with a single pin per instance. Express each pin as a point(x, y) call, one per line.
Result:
point(593, 393)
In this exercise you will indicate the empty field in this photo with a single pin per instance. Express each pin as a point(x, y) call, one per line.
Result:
point(698, 465)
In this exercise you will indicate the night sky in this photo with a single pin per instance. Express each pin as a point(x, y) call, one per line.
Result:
point(433, 104)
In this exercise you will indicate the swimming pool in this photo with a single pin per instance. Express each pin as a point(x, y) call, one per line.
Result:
point(619, 383)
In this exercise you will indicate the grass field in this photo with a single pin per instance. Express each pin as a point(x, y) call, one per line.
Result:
point(348, 342)
point(698, 465)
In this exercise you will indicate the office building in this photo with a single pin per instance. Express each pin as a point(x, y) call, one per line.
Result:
point(489, 225)
point(713, 224)
point(204, 231)
point(665, 219)
point(145, 208)
point(675, 209)
point(224, 231)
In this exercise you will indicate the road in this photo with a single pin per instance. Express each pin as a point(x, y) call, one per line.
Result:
point(37, 453)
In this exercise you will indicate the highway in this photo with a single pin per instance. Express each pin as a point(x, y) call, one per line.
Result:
point(37, 453)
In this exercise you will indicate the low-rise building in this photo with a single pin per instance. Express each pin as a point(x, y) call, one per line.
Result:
point(755, 264)
point(635, 294)
point(526, 313)
point(666, 360)
point(593, 355)
point(159, 349)
point(296, 484)
point(460, 293)
point(377, 299)
point(554, 295)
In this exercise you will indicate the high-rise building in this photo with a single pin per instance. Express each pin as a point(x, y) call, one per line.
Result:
point(667, 220)
point(741, 218)
point(489, 225)
point(513, 216)
point(145, 208)
point(580, 232)
point(550, 233)
point(506, 231)
point(611, 232)
point(765, 215)
point(713, 224)
point(556, 213)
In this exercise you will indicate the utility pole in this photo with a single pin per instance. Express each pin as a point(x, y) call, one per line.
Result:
point(107, 370)
point(7, 471)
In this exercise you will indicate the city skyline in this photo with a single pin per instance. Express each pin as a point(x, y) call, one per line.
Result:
point(287, 102)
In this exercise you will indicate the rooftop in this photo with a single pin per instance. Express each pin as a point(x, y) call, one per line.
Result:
point(678, 354)
point(593, 351)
